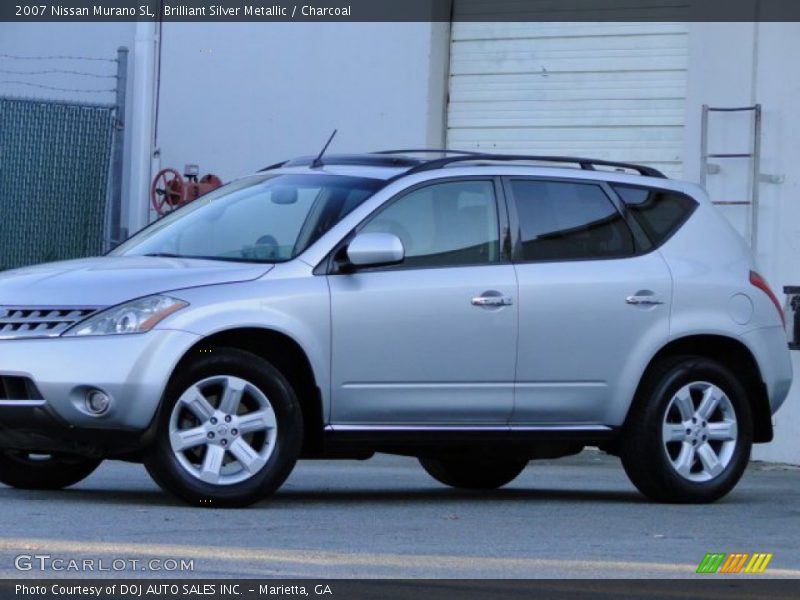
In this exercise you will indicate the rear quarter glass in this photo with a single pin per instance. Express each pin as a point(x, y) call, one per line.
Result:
point(660, 213)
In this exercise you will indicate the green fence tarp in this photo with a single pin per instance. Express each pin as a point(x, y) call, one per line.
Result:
point(54, 170)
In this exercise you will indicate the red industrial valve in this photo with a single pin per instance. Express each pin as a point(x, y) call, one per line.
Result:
point(170, 189)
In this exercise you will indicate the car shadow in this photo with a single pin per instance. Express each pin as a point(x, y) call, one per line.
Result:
point(447, 495)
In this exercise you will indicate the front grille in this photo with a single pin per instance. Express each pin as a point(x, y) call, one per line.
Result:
point(18, 388)
point(22, 322)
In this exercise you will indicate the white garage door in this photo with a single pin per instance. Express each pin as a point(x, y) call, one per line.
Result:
point(613, 91)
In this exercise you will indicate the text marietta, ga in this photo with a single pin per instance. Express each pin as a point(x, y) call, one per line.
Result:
point(255, 11)
point(139, 590)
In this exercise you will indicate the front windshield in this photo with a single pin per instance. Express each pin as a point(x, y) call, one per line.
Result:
point(265, 218)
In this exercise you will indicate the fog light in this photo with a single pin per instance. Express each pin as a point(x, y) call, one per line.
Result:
point(97, 402)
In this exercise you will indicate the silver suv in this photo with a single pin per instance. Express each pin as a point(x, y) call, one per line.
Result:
point(474, 311)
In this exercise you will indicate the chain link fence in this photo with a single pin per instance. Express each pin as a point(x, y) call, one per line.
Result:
point(60, 158)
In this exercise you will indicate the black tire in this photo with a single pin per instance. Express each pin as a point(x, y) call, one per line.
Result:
point(648, 460)
point(30, 471)
point(166, 468)
point(474, 473)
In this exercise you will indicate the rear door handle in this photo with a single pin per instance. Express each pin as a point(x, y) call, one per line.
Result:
point(644, 300)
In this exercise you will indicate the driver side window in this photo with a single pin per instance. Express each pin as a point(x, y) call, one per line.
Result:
point(453, 223)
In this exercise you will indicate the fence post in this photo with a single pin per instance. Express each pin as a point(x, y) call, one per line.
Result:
point(116, 232)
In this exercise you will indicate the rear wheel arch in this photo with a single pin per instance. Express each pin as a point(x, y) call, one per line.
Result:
point(736, 356)
point(286, 355)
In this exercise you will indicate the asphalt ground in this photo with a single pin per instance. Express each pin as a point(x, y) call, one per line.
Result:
point(576, 517)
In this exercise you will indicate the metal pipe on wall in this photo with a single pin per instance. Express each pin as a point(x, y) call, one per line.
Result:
point(142, 123)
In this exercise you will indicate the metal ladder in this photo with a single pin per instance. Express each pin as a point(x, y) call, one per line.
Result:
point(754, 155)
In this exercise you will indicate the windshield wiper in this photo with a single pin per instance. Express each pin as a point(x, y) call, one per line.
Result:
point(244, 259)
point(221, 258)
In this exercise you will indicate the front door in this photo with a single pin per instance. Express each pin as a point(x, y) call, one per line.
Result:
point(431, 341)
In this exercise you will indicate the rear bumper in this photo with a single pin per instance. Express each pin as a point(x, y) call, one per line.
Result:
point(132, 369)
point(770, 347)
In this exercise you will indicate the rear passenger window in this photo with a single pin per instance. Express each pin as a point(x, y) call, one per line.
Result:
point(569, 221)
point(659, 212)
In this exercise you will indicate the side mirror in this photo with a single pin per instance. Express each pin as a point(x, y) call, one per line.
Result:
point(375, 250)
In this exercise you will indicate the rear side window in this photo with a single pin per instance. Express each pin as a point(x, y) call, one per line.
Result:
point(569, 221)
point(658, 212)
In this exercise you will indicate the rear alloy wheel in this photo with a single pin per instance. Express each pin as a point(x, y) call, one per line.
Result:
point(689, 435)
point(699, 431)
point(32, 471)
point(230, 432)
point(474, 473)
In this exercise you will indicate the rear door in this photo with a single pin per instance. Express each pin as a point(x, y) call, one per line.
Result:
point(593, 300)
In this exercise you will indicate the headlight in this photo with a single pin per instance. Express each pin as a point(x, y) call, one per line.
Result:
point(136, 316)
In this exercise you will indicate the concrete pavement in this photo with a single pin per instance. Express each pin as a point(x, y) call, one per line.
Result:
point(574, 517)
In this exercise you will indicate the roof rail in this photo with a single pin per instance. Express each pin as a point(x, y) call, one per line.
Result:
point(587, 164)
point(368, 160)
point(391, 158)
point(431, 151)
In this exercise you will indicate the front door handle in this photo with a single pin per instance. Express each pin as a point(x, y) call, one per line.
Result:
point(492, 300)
point(644, 300)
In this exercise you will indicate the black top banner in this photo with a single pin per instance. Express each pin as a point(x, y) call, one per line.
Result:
point(399, 10)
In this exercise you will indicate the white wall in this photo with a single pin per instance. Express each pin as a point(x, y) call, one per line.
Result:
point(237, 97)
point(739, 64)
point(777, 89)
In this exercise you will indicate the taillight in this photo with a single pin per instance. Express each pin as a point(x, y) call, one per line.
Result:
point(761, 283)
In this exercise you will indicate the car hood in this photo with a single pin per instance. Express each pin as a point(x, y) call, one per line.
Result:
point(109, 280)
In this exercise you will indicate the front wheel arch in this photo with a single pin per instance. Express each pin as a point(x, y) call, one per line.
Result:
point(288, 356)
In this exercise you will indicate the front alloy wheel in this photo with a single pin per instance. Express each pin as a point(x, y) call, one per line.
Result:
point(229, 432)
point(227, 443)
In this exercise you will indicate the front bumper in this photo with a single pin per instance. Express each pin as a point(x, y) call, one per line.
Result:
point(132, 369)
